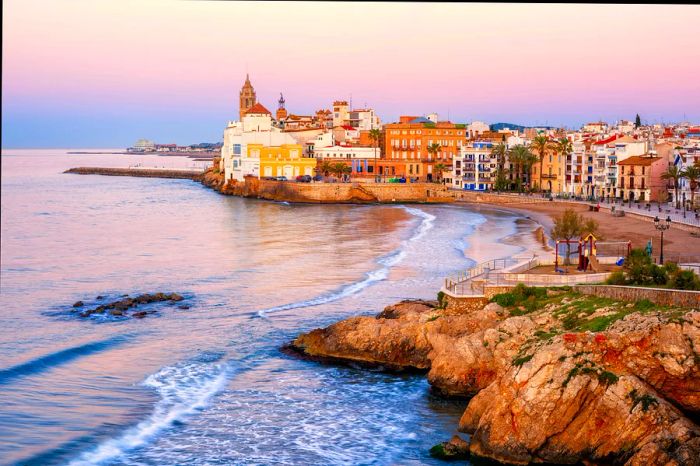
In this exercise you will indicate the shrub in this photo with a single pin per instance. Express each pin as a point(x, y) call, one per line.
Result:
point(616, 278)
point(658, 275)
point(442, 302)
point(641, 271)
point(671, 268)
point(504, 299)
point(685, 280)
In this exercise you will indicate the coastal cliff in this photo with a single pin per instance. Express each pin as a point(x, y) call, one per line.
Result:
point(551, 376)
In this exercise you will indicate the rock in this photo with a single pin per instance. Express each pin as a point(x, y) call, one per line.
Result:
point(455, 449)
point(78, 304)
point(183, 306)
point(539, 393)
point(100, 297)
point(175, 297)
point(116, 312)
point(139, 315)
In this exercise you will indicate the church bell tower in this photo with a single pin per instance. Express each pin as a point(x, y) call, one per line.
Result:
point(247, 97)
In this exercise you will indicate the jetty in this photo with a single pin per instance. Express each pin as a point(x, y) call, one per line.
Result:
point(181, 173)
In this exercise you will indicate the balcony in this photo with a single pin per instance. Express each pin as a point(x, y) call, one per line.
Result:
point(549, 177)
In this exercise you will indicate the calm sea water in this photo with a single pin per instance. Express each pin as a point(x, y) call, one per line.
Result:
point(208, 385)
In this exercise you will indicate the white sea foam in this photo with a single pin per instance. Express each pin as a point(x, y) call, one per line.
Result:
point(386, 262)
point(183, 389)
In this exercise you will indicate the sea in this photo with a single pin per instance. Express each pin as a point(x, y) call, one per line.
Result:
point(208, 385)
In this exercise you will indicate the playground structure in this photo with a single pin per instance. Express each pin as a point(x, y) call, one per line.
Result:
point(591, 253)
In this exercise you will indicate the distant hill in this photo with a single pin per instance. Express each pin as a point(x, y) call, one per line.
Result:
point(499, 126)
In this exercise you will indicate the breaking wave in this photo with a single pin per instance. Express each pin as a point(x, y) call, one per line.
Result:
point(386, 263)
point(183, 389)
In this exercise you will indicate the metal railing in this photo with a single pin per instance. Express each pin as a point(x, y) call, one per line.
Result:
point(464, 280)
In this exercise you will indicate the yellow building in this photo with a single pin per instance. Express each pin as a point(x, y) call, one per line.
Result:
point(285, 160)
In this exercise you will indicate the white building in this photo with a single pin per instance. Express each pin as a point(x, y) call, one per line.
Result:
point(347, 152)
point(473, 167)
point(255, 128)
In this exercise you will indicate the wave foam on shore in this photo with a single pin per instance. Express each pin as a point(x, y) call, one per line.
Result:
point(184, 389)
point(387, 262)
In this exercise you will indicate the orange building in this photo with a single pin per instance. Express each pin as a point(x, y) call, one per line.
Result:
point(406, 145)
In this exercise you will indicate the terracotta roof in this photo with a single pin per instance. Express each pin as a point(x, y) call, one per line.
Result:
point(606, 141)
point(639, 160)
point(258, 108)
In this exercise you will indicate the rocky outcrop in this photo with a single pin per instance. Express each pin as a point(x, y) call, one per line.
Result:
point(121, 307)
point(543, 386)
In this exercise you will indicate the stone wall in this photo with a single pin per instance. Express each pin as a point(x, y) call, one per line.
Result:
point(464, 304)
point(337, 192)
point(658, 296)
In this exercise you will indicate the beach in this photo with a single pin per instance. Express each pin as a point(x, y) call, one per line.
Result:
point(678, 244)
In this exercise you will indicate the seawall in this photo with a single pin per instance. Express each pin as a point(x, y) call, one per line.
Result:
point(333, 193)
point(195, 175)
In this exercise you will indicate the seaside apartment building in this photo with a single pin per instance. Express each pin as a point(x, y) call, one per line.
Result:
point(406, 145)
point(640, 178)
point(473, 167)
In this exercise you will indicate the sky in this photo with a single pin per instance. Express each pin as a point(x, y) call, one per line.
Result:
point(101, 73)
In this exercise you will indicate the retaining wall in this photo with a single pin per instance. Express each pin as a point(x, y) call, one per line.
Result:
point(659, 296)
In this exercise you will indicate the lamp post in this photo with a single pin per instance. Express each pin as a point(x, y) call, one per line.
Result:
point(662, 226)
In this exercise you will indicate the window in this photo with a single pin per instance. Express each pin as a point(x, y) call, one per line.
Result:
point(236, 149)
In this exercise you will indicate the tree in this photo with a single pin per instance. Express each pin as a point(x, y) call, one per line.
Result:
point(637, 121)
point(325, 168)
point(433, 149)
point(692, 174)
point(570, 225)
point(541, 144)
point(673, 174)
point(439, 168)
point(522, 159)
point(340, 169)
point(564, 147)
point(375, 135)
point(500, 152)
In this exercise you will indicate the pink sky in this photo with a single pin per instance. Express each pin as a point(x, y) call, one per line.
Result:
point(563, 64)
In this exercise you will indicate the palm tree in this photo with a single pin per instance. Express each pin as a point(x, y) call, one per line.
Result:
point(433, 149)
point(541, 144)
point(325, 168)
point(375, 135)
point(439, 168)
point(500, 152)
point(564, 147)
point(673, 173)
point(692, 174)
point(522, 160)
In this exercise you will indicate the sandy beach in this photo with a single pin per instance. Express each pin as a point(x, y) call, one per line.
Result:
point(677, 243)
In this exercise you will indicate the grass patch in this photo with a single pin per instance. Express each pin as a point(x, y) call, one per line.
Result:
point(519, 361)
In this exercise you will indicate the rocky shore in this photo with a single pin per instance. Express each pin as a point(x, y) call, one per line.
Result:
point(551, 376)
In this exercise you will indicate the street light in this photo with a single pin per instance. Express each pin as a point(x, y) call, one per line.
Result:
point(662, 226)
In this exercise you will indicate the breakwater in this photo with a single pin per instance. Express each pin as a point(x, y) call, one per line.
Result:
point(195, 175)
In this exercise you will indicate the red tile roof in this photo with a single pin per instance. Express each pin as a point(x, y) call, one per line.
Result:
point(639, 160)
point(258, 108)
point(606, 141)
